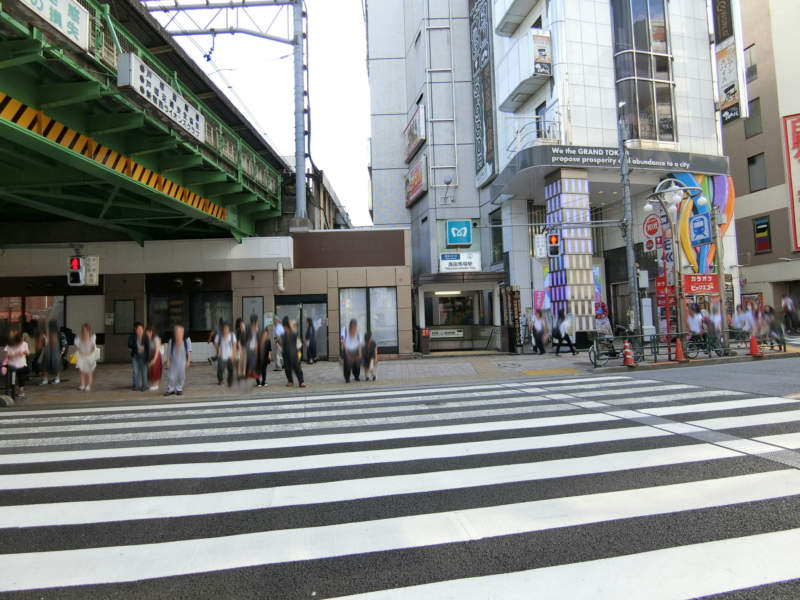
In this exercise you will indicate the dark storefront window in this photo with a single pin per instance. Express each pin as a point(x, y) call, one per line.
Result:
point(198, 312)
point(29, 314)
point(496, 221)
point(209, 307)
point(643, 70)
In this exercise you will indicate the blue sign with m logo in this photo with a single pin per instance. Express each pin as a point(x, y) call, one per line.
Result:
point(459, 233)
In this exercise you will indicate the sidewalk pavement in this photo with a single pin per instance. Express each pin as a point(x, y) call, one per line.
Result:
point(112, 382)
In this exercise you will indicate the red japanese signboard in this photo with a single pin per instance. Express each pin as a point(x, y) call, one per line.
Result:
point(791, 133)
point(700, 284)
point(665, 294)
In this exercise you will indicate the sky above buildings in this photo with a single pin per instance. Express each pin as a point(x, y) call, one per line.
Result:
point(257, 75)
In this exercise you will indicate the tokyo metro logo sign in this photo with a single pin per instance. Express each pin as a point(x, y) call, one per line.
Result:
point(459, 233)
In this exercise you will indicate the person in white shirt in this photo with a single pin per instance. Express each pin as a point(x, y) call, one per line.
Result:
point(277, 334)
point(16, 358)
point(352, 352)
point(787, 304)
point(226, 342)
point(695, 323)
point(179, 357)
point(539, 332)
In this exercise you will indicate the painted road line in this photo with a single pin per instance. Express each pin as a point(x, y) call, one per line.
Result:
point(549, 372)
point(160, 507)
point(317, 461)
point(146, 561)
point(785, 440)
point(714, 406)
point(635, 390)
point(303, 426)
point(670, 397)
point(273, 417)
point(305, 440)
point(694, 571)
point(770, 418)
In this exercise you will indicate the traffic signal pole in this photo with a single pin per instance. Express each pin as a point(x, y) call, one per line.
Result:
point(627, 229)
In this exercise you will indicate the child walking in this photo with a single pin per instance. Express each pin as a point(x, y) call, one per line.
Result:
point(86, 361)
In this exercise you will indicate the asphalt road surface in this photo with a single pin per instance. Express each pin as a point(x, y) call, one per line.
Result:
point(599, 487)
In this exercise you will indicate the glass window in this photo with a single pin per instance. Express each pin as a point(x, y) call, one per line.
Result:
point(645, 106)
point(456, 310)
point(763, 235)
point(541, 116)
point(496, 221)
point(751, 66)
point(253, 305)
point(756, 169)
point(353, 305)
point(752, 126)
point(383, 316)
point(10, 315)
point(207, 309)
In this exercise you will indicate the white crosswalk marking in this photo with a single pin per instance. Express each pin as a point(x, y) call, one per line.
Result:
point(549, 485)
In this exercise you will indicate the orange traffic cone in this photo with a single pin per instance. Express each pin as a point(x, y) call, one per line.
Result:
point(627, 356)
point(679, 357)
point(754, 349)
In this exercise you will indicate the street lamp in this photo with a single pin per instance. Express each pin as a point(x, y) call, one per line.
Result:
point(669, 193)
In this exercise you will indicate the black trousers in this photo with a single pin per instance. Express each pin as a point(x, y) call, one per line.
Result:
point(564, 340)
point(538, 342)
point(261, 375)
point(291, 365)
point(222, 365)
point(351, 366)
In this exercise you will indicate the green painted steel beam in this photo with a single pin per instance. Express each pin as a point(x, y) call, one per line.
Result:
point(70, 214)
point(179, 162)
point(201, 177)
point(137, 145)
point(237, 199)
point(215, 190)
point(100, 124)
point(52, 95)
point(68, 159)
point(251, 209)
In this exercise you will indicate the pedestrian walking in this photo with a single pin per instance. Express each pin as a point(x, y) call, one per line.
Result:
point(352, 352)
point(775, 328)
point(53, 355)
point(370, 357)
point(240, 358)
point(561, 329)
point(212, 339)
point(540, 331)
point(87, 363)
point(179, 358)
point(140, 351)
point(787, 305)
point(154, 364)
point(253, 337)
point(264, 357)
point(277, 334)
point(310, 335)
point(16, 352)
point(291, 347)
point(226, 343)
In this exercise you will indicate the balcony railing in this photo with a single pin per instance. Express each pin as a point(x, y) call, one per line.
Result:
point(532, 130)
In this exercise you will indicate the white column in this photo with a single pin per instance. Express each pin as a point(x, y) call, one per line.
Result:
point(496, 305)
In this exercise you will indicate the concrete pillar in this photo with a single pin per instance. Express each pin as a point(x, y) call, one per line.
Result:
point(496, 306)
point(476, 305)
point(571, 284)
point(421, 307)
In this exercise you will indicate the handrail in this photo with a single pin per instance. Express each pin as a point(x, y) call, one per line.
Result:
point(528, 129)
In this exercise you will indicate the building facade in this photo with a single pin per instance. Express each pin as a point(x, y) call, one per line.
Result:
point(552, 84)
point(764, 153)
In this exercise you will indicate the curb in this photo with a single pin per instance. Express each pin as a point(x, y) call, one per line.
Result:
point(696, 363)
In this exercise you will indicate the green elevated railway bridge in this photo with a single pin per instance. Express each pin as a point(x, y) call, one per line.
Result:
point(106, 122)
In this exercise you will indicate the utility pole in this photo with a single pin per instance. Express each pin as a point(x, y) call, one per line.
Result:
point(627, 223)
point(723, 300)
point(299, 114)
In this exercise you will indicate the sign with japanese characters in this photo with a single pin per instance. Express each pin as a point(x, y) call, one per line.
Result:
point(446, 333)
point(133, 73)
point(651, 226)
point(92, 264)
point(69, 17)
point(665, 294)
point(415, 132)
point(416, 180)
point(542, 53)
point(459, 262)
point(700, 284)
point(791, 138)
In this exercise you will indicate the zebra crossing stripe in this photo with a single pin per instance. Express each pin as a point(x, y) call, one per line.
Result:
point(160, 507)
point(786, 440)
point(301, 441)
point(769, 418)
point(316, 461)
point(714, 406)
point(88, 566)
point(692, 571)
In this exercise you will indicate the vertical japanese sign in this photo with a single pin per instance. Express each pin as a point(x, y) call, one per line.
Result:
point(480, 25)
point(731, 80)
point(67, 16)
point(791, 137)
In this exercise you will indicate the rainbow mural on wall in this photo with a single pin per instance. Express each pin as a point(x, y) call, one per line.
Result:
point(719, 191)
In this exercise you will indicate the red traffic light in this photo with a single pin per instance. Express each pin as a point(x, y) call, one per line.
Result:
point(75, 263)
point(553, 239)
